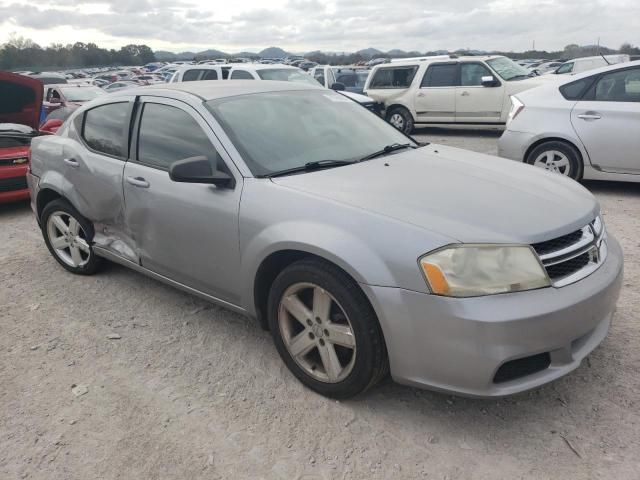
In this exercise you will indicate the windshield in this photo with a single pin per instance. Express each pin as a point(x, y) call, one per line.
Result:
point(286, 75)
point(278, 131)
point(81, 94)
point(507, 69)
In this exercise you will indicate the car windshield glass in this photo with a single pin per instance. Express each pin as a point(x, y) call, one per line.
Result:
point(81, 94)
point(277, 131)
point(507, 69)
point(286, 75)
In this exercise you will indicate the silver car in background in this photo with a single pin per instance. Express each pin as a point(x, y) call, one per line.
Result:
point(360, 250)
point(587, 127)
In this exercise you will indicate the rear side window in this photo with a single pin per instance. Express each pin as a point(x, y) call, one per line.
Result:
point(565, 68)
point(210, 75)
point(399, 77)
point(168, 134)
point(621, 86)
point(575, 90)
point(191, 75)
point(105, 128)
point(441, 75)
point(241, 75)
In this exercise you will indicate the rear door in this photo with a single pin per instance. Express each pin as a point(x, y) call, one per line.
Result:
point(476, 103)
point(187, 232)
point(94, 165)
point(435, 100)
point(607, 120)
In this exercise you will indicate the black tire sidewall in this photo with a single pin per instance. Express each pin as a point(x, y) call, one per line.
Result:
point(569, 150)
point(62, 205)
point(406, 116)
point(370, 360)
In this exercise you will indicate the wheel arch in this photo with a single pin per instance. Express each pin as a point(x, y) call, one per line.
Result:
point(581, 155)
point(46, 196)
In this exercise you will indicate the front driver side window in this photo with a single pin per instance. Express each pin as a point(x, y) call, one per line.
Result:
point(471, 74)
point(621, 86)
point(168, 134)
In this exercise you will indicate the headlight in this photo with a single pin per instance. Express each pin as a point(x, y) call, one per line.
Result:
point(475, 270)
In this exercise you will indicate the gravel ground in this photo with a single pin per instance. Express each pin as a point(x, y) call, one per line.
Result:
point(189, 390)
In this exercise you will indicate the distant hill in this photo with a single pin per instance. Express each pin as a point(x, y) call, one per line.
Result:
point(245, 54)
point(397, 53)
point(370, 53)
point(210, 54)
point(163, 56)
point(273, 52)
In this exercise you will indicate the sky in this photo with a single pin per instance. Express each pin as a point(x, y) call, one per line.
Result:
point(336, 25)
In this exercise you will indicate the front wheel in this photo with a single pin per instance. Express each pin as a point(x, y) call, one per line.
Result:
point(401, 118)
point(557, 157)
point(325, 329)
point(68, 237)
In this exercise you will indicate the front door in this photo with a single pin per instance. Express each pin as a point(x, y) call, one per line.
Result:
point(435, 100)
point(476, 103)
point(185, 231)
point(607, 120)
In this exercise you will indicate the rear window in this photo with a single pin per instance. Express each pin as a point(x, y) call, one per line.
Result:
point(105, 128)
point(398, 77)
point(575, 90)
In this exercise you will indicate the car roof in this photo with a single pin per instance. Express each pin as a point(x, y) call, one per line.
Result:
point(263, 66)
point(436, 58)
point(596, 71)
point(214, 89)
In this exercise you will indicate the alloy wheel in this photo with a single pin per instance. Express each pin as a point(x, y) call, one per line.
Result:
point(397, 121)
point(68, 239)
point(554, 161)
point(317, 332)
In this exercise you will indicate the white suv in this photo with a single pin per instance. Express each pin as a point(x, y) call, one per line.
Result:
point(448, 90)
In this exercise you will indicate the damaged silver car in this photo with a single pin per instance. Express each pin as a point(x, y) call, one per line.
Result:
point(361, 251)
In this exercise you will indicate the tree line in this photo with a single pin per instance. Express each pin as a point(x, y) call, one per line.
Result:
point(20, 53)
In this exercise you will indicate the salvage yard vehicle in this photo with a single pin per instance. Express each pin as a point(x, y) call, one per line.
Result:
point(59, 96)
point(288, 73)
point(580, 65)
point(586, 127)
point(19, 118)
point(340, 234)
point(453, 90)
point(192, 73)
point(352, 80)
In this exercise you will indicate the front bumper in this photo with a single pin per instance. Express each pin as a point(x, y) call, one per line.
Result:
point(13, 184)
point(514, 145)
point(458, 345)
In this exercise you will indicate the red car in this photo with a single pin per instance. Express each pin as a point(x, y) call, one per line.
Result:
point(20, 108)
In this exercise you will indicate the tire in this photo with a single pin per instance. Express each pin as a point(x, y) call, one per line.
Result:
point(557, 156)
point(401, 118)
point(349, 320)
point(70, 242)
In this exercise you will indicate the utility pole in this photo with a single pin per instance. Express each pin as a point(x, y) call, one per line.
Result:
point(534, 46)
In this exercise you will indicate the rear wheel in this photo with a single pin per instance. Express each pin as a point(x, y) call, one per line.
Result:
point(325, 329)
point(68, 237)
point(557, 157)
point(401, 118)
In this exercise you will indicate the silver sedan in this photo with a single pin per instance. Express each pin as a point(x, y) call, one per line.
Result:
point(361, 251)
point(587, 127)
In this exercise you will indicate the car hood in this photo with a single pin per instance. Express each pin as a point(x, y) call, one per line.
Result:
point(356, 96)
point(21, 99)
point(466, 196)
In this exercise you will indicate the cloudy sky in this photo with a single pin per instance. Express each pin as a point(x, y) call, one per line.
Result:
point(334, 25)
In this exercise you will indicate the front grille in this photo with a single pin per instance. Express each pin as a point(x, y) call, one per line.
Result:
point(522, 367)
point(12, 184)
point(575, 255)
point(559, 243)
point(564, 269)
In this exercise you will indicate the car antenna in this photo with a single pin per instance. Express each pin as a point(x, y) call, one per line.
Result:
point(605, 59)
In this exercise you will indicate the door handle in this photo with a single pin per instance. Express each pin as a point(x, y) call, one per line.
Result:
point(72, 162)
point(421, 94)
point(465, 94)
point(590, 116)
point(138, 182)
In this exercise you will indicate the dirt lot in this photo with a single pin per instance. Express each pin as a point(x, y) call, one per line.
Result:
point(194, 391)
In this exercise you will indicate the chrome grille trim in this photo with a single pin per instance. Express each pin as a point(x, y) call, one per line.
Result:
point(591, 242)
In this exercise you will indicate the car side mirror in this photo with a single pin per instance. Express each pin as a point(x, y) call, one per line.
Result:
point(489, 81)
point(198, 170)
point(338, 87)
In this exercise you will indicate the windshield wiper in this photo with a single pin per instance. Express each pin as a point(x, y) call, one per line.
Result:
point(308, 167)
point(388, 149)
